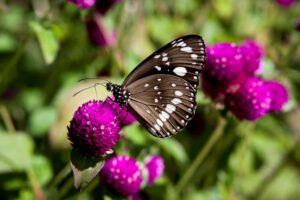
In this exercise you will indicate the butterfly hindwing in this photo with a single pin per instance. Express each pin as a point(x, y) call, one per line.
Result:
point(183, 57)
point(162, 103)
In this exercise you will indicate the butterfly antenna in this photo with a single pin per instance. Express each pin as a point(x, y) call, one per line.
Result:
point(92, 86)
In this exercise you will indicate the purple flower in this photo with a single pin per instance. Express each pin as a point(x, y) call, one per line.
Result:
point(224, 64)
point(83, 3)
point(124, 117)
point(97, 32)
point(285, 3)
point(94, 130)
point(122, 175)
point(155, 168)
point(279, 95)
point(252, 55)
point(103, 6)
point(251, 101)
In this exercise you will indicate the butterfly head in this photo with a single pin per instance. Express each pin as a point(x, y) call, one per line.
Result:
point(110, 87)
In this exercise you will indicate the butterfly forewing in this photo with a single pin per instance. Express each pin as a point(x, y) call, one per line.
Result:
point(183, 57)
point(162, 103)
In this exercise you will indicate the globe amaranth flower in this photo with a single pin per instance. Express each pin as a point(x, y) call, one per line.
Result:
point(122, 175)
point(94, 129)
point(286, 3)
point(97, 32)
point(103, 6)
point(124, 117)
point(279, 95)
point(83, 3)
point(252, 55)
point(155, 168)
point(251, 101)
point(224, 65)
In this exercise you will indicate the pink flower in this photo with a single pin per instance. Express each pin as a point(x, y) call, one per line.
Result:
point(94, 129)
point(83, 3)
point(155, 168)
point(252, 101)
point(122, 175)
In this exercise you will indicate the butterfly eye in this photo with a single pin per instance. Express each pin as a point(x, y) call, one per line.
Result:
point(163, 87)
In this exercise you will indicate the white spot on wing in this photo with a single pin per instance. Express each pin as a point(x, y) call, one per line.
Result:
point(156, 87)
point(173, 85)
point(187, 49)
point(158, 68)
point(159, 122)
point(176, 101)
point(180, 71)
point(146, 85)
point(164, 59)
point(194, 56)
point(178, 93)
point(156, 127)
point(157, 56)
point(162, 118)
point(166, 115)
point(170, 108)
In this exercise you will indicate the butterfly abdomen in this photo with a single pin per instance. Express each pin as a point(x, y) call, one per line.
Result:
point(120, 93)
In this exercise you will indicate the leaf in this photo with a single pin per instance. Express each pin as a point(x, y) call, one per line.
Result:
point(174, 148)
point(48, 41)
point(84, 168)
point(41, 120)
point(134, 134)
point(16, 152)
point(42, 169)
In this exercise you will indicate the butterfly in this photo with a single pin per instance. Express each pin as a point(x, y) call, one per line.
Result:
point(161, 91)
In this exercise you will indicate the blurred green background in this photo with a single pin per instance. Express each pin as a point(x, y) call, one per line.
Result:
point(45, 50)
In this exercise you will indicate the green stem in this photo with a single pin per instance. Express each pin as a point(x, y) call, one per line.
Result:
point(269, 177)
point(182, 183)
point(7, 119)
point(38, 192)
point(61, 176)
point(64, 189)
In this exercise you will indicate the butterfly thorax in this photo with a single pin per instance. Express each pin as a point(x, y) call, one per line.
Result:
point(120, 93)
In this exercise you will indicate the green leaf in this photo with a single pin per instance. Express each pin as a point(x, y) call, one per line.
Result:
point(42, 169)
point(15, 152)
point(48, 41)
point(84, 168)
point(41, 120)
point(135, 135)
point(7, 43)
point(174, 148)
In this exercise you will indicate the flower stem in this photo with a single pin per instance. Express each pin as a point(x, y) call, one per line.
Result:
point(182, 183)
point(7, 119)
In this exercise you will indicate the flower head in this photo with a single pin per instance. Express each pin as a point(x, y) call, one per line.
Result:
point(279, 95)
point(122, 174)
point(251, 101)
point(252, 55)
point(124, 117)
point(224, 66)
point(83, 3)
point(94, 130)
point(155, 168)
point(285, 3)
point(97, 32)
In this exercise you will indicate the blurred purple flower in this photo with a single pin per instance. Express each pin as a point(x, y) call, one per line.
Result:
point(251, 101)
point(103, 6)
point(155, 168)
point(122, 175)
point(224, 66)
point(83, 3)
point(124, 117)
point(94, 130)
point(98, 34)
point(279, 95)
point(285, 3)
point(252, 55)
